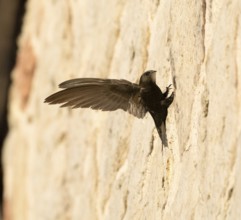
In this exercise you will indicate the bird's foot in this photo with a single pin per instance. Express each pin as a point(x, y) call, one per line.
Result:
point(168, 88)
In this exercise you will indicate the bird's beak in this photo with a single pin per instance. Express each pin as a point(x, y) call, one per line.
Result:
point(153, 75)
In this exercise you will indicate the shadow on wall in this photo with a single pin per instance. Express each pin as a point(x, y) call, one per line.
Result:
point(11, 14)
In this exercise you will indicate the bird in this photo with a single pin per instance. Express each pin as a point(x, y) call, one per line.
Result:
point(114, 94)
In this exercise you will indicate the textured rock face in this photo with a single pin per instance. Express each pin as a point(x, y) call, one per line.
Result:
point(83, 164)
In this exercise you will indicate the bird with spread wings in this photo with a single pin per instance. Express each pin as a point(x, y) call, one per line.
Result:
point(113, 94)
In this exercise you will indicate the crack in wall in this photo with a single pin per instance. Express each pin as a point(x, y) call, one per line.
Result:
point(204, 21)
point(151, 144)
point(125, 201)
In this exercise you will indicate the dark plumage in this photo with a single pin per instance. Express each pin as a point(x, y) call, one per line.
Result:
point(113, 94)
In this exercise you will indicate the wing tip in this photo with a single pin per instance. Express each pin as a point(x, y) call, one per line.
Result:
point(47, 100)
point(62, 85)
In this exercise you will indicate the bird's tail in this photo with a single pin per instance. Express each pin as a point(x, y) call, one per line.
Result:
point(160, 123)
point(161, 129)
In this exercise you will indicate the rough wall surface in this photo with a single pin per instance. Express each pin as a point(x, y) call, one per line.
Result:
point(82, 164)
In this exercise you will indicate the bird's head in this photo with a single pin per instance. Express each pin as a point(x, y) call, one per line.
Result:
point(148, 77)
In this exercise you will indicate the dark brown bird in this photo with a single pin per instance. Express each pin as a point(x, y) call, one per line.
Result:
point(113, 94)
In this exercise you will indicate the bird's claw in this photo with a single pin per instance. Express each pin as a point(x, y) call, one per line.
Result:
point(169, 87)
point(167, 90)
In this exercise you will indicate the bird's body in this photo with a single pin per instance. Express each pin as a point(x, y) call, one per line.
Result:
point(113, 94)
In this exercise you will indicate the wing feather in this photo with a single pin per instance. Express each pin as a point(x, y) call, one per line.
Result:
point(103, 94)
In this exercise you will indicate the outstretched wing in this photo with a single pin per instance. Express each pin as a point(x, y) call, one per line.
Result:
point(103, 94)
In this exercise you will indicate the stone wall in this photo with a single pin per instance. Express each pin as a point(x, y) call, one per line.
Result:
point(83, 164)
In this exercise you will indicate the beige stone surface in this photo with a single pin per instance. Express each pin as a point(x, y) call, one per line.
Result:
point(81, 164)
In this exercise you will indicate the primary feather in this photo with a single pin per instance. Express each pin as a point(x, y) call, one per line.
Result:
point(103, 94)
